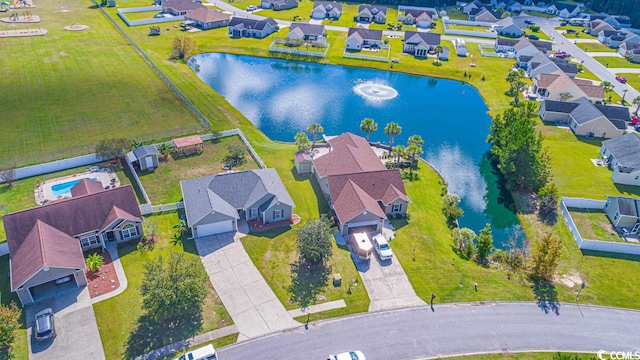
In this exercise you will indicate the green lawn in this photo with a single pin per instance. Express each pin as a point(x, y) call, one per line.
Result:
point(587, 74)
point(615, 62)
point(632, 79)
point(540, 34)
point(124, 333)
point(20, 351)
point(468, 28)
point(523, 356)
point(74, 88)
point(594, 225)
point(538, 14)
point(302, 12)
point(594, 47)
point(349, 11)
point(578, 32)
point(145, 15)
point(163, 185)
point(455, 13)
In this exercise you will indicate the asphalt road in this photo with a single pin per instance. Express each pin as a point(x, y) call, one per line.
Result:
point(453, 329)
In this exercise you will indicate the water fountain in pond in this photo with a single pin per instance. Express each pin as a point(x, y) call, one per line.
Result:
point(372, 91)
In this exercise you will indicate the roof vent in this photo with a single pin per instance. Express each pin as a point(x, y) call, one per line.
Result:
point(46, 268)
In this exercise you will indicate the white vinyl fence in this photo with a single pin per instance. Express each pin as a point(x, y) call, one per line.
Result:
point(55, 166)
point(150, 21)
point(289, 50)
point(588, 244)
point(480, 33)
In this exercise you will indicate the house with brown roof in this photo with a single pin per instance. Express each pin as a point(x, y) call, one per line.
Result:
point(359, 187)
point(558, 85)
point(46, 243)
point(180, 7)
point(207, 18)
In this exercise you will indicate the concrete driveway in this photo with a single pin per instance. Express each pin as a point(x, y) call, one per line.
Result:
point(252, 304)
point(386, 283)
point(77, 332)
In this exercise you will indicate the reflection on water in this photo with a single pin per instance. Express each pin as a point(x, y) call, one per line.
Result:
point(283, 97)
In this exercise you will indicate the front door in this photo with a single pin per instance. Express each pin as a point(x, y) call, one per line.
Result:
point(110, 236)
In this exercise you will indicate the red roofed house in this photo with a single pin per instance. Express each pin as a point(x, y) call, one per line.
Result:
point(46, 242)
point(360, 189)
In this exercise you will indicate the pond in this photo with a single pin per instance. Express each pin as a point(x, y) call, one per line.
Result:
point(282, 97)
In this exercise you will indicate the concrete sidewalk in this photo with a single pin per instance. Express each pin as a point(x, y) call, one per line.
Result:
point(337, 304)
point(187, 343)
point(112, 248)
point(252, 304)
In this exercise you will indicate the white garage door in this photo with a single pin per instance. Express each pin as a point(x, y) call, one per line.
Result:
point(364, 223)
point(214, 228)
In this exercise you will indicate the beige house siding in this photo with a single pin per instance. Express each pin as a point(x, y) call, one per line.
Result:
point(403, 210)
point(118, 235)
point(626, 178)
point(287, 211)
point(600, 127)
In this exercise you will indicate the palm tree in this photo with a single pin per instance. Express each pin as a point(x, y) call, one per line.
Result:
point(516, 88)
point(368, 126)
point(565, 96)
point(607, 86)
point(315, 129)
point(624, 93)
point(398, 153)
point(392, 129)
point(636, 102)
point(514, 75)
point(302, 141)
point(439, 50)
point(94, 262)
point(413, 151)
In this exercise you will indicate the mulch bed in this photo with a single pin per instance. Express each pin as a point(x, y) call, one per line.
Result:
point(104, 280)
point(257, 225)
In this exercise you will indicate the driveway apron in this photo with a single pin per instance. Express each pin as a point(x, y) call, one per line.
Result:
point(252, 304)
point(75, 322)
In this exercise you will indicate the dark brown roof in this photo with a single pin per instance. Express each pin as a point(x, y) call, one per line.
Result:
point(349, 153)
point(351, 200)
point(86, 186)
point(74, 216)
point(43, 246)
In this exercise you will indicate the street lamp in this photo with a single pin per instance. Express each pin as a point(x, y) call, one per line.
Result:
point(578, 294)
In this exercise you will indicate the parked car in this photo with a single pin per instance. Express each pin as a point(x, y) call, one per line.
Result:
point(635, 120)
point(571, 31)
point(203, 353)
point(533, 37)
point(637, 127)
point(621, 79)
point(252, 8)
point(528, 22)
point(562, 55)
point(382, 247)
point(349, 355)
point(564, 23)
point(158, 15)
point(45, 325)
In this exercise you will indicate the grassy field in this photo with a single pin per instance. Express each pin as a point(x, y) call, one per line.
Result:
point(539, 34)
point(594, 225)
point(301, 13)
point(594, 47)
point(163, 185)
point(615, 62)
point(125, 333)
point(523, 356)
point(578, 32)
point(587, 74)
point(74, 88)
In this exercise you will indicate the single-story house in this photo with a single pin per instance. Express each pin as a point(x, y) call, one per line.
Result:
point(180, 7)
point(615, 38)
point(620, 21)
point(475, 4)
point(371, 14)
point(585, 118)
point(326, 10)
point(207, 18)
point(516, 7)
point(623, 212)
point(630, 50)
point(144, 157)
point(243, 27)
point(563, 10)
point(461, 47)
point(522, 46)
point(214, 204)
point(279, 4)
point(419, 18)
point(307, 32)
point(46, 243)
point(508, 27)
point(360, 38)
point(541, 63)
point(556, 85)
point(360, 189)
point(621, 154)
point(597, 26)
point(484, 15)
point(419, 43)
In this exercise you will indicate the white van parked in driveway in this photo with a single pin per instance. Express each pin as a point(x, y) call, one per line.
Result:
point(203, 353)
point(382, 247)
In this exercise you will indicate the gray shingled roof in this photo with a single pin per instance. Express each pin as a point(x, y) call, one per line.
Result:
point(251, 23)
point(227, 193)
point(627, 206)
point(625, 149)
point(308, 29)
point(614, 112)
point(559, 106)
point(585, 111)
point(145, 150)
point(366, 34)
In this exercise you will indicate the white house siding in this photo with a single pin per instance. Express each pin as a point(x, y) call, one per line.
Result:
point(119, 237)
point(211, 218)
point(626, 178)
point(600, 127)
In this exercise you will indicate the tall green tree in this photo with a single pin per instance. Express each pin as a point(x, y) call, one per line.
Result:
point(517, 149)
point(463, 242)
point(182, 48)
point(115, 148)
point(438, 50)
point(173, 288)
point(516, 88)
point(314, 241)
point(315, 129)
point(368, 126)
point(624, 94)
point(546, 258)
point(392, 129)
point(9, 324)
point(484, 244)
point(302, 141)
point(398, 152)
point(548, 199)
point(607, 86)
point(451, 208)
point(413, 152)
point(515, 74)
point(636, 102)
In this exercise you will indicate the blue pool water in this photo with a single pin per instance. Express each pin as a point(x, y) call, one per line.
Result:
point(65, 188)
point(282, 97)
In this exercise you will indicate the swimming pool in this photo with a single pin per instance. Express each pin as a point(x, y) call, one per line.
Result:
point(65, 188)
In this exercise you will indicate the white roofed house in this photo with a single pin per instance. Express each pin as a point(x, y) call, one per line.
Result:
point(621, 154)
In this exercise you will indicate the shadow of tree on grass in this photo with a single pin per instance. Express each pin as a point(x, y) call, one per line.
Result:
point(307, 282)
point(547, 296)
point(151, 334)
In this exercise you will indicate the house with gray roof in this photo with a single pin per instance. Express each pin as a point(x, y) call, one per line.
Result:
point(522, 46)
point(420, 18)
point(180, 7)
point(563, 10)
point(585, 118)
point(144, 157)
point(473, 5)
point(307, 32)
point(361, 38)
point(371, 14)
point(419, 43)
point(623, 212)
point(615, 38)
point(326, 10)
point(484, 15)
point(509, 27)
point(243, 27)
point(596, 26)
point(621, 154)
point(279, 4)
point(540, 63)
point(214, 204)
point(630, 50)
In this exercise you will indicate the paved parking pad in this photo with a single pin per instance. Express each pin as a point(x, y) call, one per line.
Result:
point(77, 332)
point(251, 303)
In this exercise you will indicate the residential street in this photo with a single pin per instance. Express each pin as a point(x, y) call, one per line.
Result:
point(452, 329)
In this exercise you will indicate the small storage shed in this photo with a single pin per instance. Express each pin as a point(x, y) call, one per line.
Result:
point(145, 157)
point(303, 162)
point(189, 145)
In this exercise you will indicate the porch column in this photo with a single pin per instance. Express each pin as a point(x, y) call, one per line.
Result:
point(102, 242)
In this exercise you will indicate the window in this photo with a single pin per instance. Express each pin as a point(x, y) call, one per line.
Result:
point(128, 231)
point(397, 207)
point(278, 214)
point(88, 240)
point(253, 212)
point(606, 205)
point(637, 178)
point(616, 216)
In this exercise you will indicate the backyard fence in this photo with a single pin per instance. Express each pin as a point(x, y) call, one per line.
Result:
point(146, 209)
point(122, 12)
point(351, 55)
point(285, 49)
point(59, 165)
point(446, 22)
point(493, 53)
point(203, 119)
point(588, 244)
point(136, 179)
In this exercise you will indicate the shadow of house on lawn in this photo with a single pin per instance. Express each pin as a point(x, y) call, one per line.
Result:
point(307, 282)
point(546, 296)
point(151, 334)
